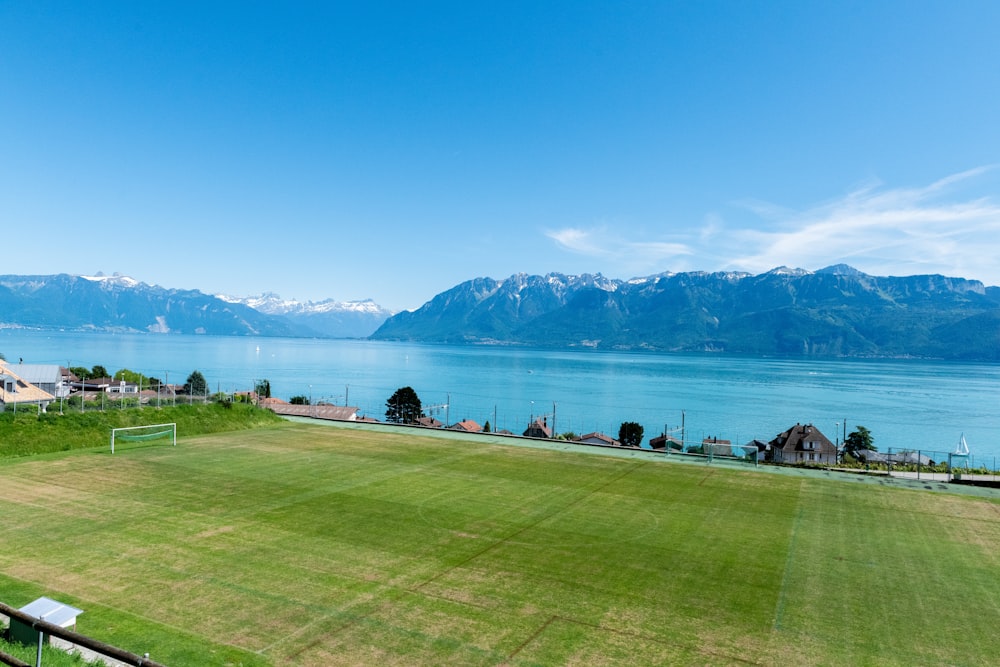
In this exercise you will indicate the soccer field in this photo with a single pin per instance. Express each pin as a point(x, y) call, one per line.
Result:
point(318, 545)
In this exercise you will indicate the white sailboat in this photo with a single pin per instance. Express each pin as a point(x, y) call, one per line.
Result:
point(963, 448)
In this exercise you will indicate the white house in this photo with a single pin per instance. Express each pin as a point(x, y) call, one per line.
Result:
point(15, 391)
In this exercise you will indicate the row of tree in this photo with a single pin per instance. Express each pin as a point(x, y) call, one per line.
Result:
point(195, 385)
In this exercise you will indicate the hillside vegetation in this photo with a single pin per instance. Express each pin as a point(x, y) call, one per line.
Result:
point(29, 433)
point(836, 312)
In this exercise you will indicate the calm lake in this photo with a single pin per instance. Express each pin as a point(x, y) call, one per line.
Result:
point(905, 403)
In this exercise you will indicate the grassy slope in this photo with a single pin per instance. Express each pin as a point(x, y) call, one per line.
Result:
point(316, 546)
point(27, 433)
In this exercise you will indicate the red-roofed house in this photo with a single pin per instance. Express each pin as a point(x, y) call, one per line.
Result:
point(466, 425)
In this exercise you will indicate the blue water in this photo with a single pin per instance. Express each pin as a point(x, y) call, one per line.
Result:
point(904, 403)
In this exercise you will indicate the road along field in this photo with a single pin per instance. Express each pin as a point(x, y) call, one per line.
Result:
point(317, 545)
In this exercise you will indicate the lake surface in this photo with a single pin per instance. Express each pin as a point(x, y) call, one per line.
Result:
point(905, 403)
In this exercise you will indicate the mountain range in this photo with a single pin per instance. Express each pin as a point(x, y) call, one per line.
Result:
point(120, 303)
point(836, 311)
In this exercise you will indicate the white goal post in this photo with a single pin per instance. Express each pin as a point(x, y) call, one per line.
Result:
point(731, 452)
point(141, 433)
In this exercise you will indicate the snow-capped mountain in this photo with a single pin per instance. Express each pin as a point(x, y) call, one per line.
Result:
point(327, 318)
point(122, 303)
point(836, 311)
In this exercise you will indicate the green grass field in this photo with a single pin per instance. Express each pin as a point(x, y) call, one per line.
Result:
point(320, 545)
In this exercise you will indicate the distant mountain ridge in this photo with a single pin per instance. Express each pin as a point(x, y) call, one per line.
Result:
point(121, 303)
point(836, 311)
point(341, 319)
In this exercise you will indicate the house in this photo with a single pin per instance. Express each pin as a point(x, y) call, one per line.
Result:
point(47, 377)
point(802, 443)
point(598, 439)
point(122, 387)
point(538, 429)
point(429, 422)
point(14, 391)
point(901, 458)
point(762, 448)
point(322, 411)
point(272, 403)
point(717, 447)
point(664, 442)
point(466, 425)
point(92, 384)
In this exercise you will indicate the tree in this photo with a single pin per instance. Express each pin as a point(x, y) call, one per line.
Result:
point(630, 434)
point(403, 407)
point(136, 378)
point(263, 388)
point(299, 400)
point(196, 384)
point(486, 426)
point(859, 441)
point(98, 372)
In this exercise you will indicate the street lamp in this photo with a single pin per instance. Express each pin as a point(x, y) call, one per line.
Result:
point(836, 432)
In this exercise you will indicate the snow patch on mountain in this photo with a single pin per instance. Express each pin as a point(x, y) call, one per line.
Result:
point(272, 304)
point(114, 280)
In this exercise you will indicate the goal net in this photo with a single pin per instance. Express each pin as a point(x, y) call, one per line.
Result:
point(729, 452)
point(143, 434)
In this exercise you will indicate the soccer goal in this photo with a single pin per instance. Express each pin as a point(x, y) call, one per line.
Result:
point(143, 433)
point(725, 451)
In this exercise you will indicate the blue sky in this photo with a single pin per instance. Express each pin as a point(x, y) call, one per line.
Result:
point(393, 150)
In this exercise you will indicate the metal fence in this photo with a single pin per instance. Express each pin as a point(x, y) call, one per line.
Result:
point(937, 465)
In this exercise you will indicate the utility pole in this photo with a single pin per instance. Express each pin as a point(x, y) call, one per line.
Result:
point(682, 430)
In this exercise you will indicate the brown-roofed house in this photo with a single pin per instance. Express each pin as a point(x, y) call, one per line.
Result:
point(802, 443)
point(664, 442)
point(538, 429)
point(717, 446)
point(596, 438)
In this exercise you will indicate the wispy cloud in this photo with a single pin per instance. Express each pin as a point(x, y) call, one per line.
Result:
point(931, 229)
point(613, 247)
point(937, 228)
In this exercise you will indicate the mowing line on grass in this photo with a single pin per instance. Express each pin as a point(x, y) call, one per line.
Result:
point(652, 639)
point(508, 539)
point(531, 638)
point(780, 604)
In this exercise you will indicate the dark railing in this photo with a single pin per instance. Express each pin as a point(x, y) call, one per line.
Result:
point(47, 628)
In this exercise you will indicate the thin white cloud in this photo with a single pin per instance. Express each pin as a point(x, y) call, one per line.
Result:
point(885, 231)
point(610, 247)
point(937, 228)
